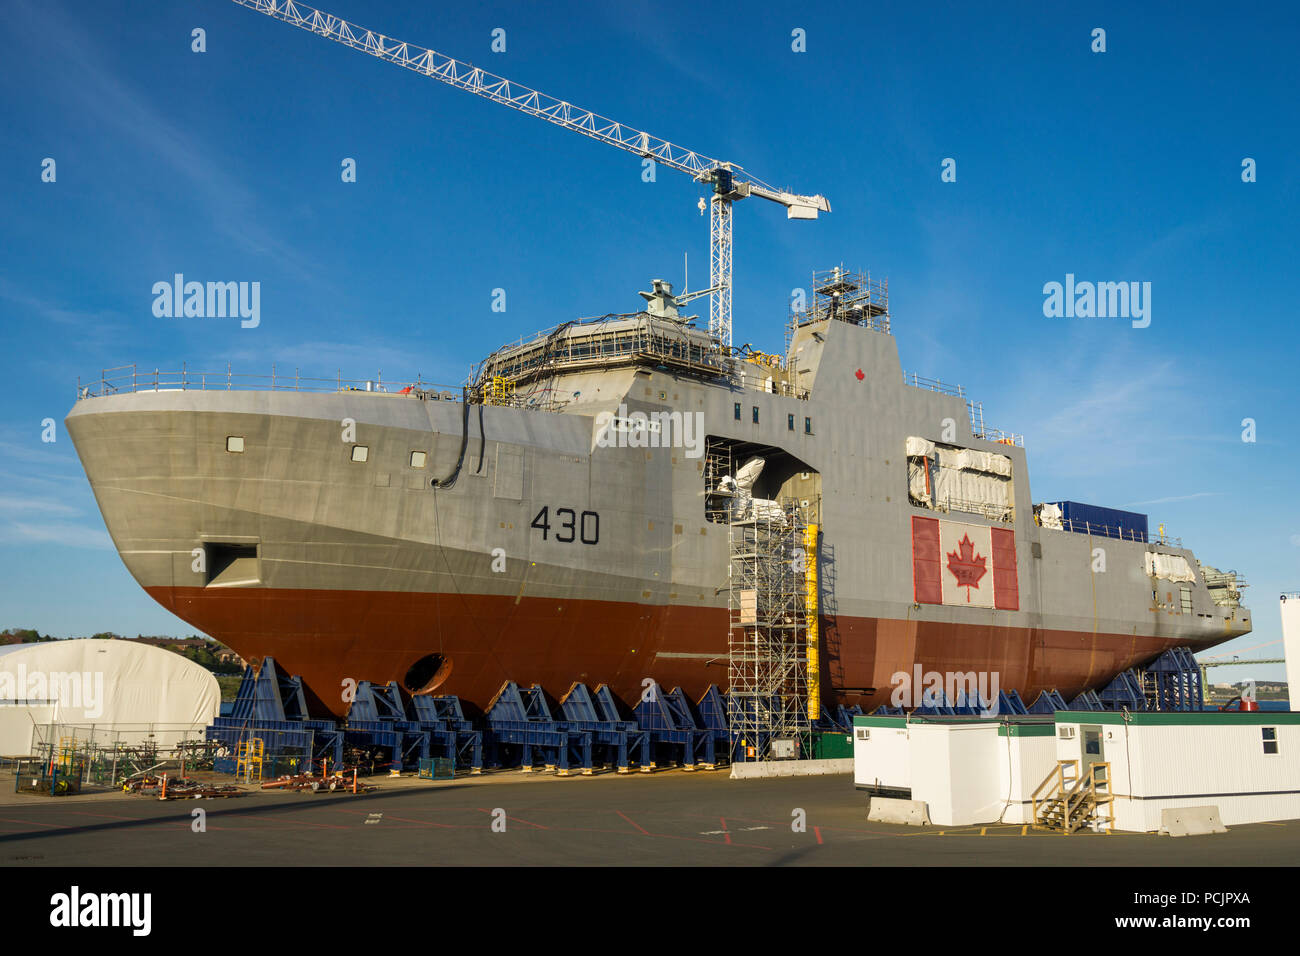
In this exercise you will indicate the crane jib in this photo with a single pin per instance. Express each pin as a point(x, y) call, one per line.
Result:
point(727, 186)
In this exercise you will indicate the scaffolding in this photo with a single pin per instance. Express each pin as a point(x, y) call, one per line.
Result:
point(852, 297)
point(767, 669)
point(636, 338)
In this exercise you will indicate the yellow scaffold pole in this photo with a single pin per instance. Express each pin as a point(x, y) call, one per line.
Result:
point(810, 605)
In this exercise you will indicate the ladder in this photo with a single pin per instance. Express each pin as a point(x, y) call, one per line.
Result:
point(248, 764)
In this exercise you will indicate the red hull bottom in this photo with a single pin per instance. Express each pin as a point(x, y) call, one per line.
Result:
point(332, 637)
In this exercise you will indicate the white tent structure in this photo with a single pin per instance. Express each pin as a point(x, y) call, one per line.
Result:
point(113, 690)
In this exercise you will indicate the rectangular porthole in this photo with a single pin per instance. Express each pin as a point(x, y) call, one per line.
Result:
point(360, 453)
point(417, 459)
point(1270, 739)
point(789, 422)
point(737, 410)
point(755, 414)
point(235, 444)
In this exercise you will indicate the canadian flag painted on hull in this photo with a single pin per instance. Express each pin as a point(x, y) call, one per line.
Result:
point(958, 563)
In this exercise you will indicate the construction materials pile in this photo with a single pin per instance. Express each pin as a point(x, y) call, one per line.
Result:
point(337, 782)
point(178, 788)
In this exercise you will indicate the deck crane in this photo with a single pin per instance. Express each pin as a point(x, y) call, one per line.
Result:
point(729, 181)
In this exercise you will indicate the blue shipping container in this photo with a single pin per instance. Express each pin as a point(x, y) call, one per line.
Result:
point(1105, 522)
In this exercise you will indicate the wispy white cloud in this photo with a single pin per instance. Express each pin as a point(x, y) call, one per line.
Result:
point(28, 504)
point(55, 532)
point(107, 98)
point(1172, 498)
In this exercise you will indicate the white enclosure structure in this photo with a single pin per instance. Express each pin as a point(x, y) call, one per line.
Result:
point(1246, 764)
point(967, 770)
point(1290, 603)
point(119, 690)
point(977, 771)
point(882, 756)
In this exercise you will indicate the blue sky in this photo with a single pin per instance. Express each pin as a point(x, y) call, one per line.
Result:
point(225, 165)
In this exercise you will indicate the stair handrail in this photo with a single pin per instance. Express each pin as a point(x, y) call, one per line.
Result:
point(1056, 775)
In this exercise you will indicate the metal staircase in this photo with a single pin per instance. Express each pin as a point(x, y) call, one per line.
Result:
point(1067, 801)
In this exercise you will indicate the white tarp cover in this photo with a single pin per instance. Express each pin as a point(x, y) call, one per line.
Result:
point(743, 503)
point(919, 447)
point(986, 461)
point(101, 682)
point(1050, 516)
point(969, 459)
point(955, 488)
point(960, 478)
point(917, 484)
point(1173, 567)
point(748, 474)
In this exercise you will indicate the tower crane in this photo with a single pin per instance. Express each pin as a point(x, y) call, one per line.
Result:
point(729, 181)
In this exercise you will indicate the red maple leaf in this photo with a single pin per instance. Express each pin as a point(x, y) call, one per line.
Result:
point(967, 566)
point(860, 374)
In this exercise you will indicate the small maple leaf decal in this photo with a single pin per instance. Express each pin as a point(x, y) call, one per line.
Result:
point(967, 566)
point(860, 374)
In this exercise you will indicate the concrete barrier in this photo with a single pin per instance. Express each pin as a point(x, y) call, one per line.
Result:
point(790, 768)
point(1191, 821)
point(911, 813)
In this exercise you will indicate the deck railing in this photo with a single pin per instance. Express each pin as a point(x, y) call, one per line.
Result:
point(933, 385)
point(134, 378)
point(1119, 533)
point(973, 408)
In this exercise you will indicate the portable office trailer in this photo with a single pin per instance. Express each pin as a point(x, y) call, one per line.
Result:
point(1027, 755)
point(966, 770)
point(1245, 764)
point(882, 756)
point(955, 771)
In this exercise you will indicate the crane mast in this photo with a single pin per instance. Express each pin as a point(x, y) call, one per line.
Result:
point(730, 182)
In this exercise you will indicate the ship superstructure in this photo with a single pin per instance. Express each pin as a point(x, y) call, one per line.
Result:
point(562, 517)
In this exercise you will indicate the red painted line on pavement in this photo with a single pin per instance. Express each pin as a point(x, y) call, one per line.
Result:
point(423, 823)
point(633, 822)
point(518, 820)
point(724, 827)
point(818, 831)
point(33, 823)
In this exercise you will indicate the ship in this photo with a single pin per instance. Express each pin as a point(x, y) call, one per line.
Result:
point(539, 524)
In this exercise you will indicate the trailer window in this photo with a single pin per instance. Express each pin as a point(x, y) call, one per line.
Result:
point(1270, 739)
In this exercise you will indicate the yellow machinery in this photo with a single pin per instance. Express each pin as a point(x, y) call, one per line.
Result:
point(498, 391)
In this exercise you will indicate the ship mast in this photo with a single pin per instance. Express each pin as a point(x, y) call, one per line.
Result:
point(730, 182)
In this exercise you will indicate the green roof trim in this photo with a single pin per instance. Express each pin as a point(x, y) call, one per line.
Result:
point(1208, 718)
point(1027, 730)
point(1019, 725)
point(870, 721)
